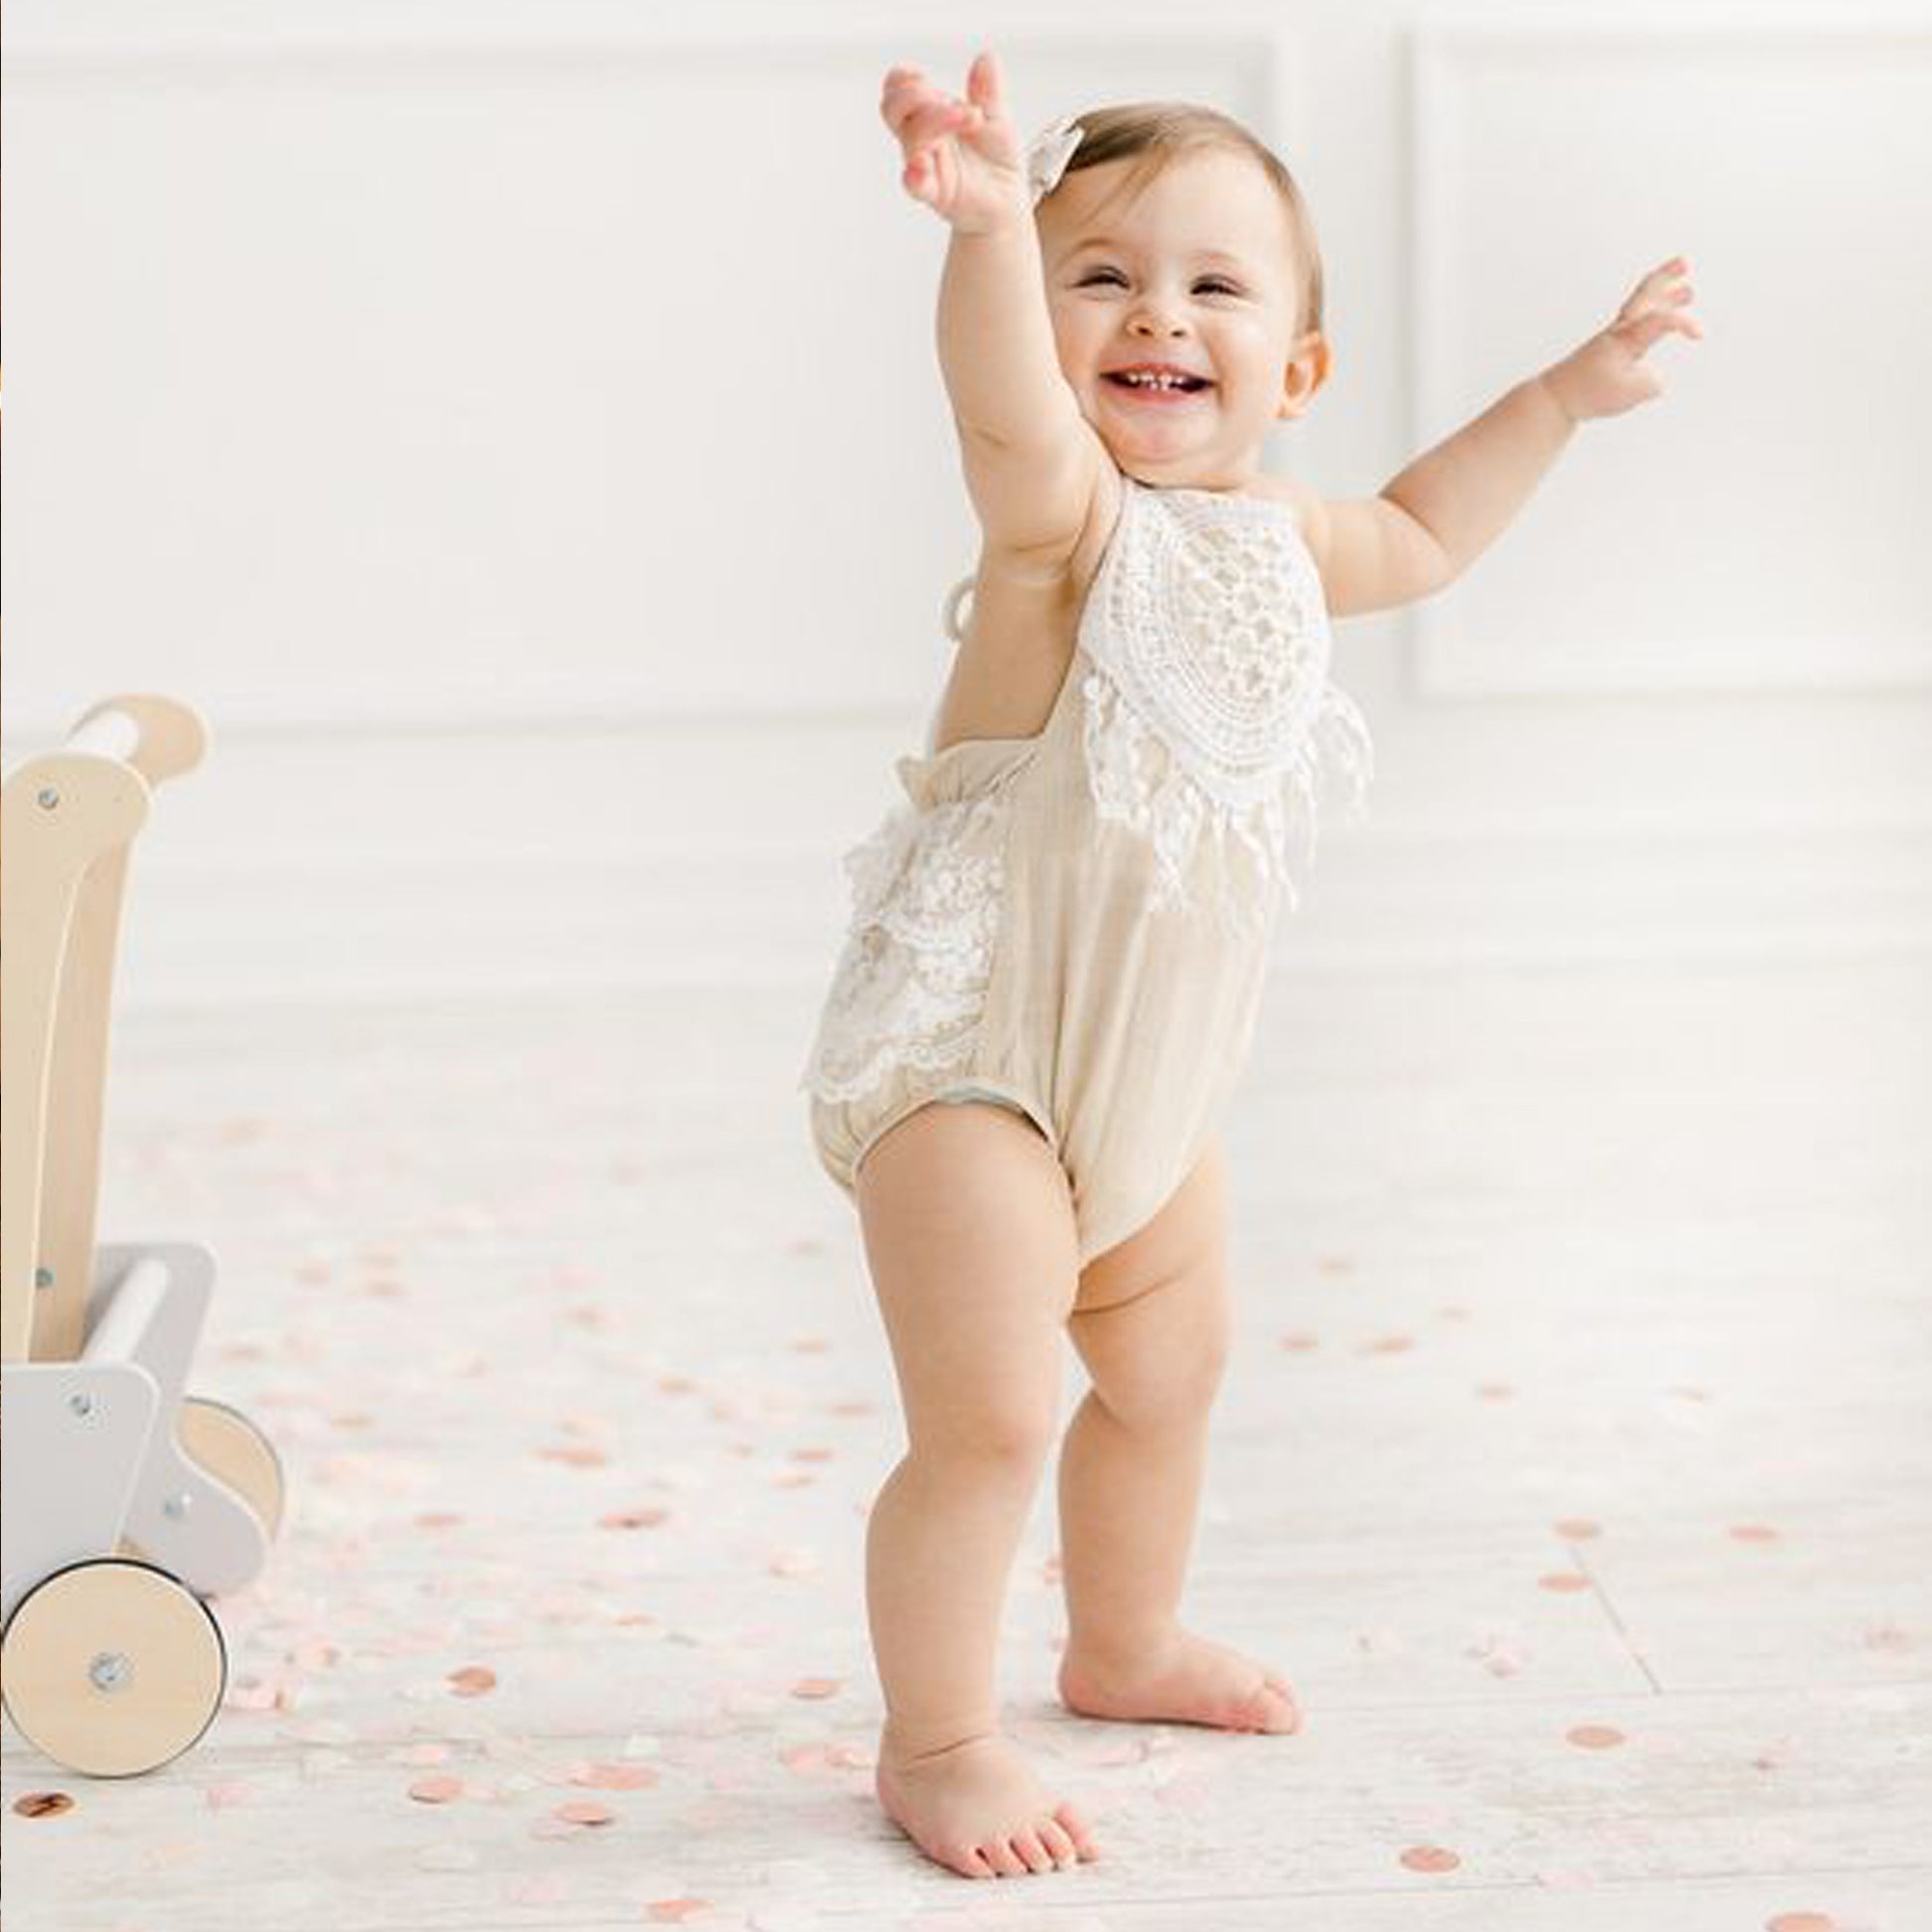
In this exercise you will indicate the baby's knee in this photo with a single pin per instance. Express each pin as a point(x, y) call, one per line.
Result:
point(1001, 1439)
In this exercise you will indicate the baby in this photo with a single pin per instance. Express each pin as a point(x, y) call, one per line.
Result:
point(1058, 942)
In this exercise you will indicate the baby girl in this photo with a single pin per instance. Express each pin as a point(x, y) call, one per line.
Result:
point(1057, 941)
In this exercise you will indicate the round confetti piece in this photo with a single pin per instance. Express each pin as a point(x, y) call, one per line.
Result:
point(615, 1777)
point(581, 1812)
point(1595, 1737)
point(1429, 1858)
point(1301, 1341)
point(1495, 1391)
point(436, 1791)
point(1562, 1580)
point(632, 1519)
point(1753, 1533)
point(1388, 1345)
point(811, 1455)
point(816, 1687)
point(1802, 1922)
point(42, 1804)
point(675, 1911)
point(1578, 1529)
point(472, 1681)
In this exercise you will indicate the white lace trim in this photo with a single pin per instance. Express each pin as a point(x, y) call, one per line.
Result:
point(909, 988)
point(1137, 781)
point(1210, 713)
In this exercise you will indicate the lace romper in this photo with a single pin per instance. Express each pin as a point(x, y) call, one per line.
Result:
point(1077, 923)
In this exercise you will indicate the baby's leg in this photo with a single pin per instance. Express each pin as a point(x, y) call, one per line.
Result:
point(969, 1236)
point(1152, 1323)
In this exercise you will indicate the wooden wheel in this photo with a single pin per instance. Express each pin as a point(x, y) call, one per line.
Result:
point(234, 1451)
point(113, 1668)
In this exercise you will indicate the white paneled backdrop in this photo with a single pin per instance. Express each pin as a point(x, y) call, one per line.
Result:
point(518, 427)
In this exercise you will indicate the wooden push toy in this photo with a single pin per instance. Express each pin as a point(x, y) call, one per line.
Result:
point(127, 1501)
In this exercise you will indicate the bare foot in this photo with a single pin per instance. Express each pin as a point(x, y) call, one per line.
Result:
point(977, 1808)
point(1185, 1680)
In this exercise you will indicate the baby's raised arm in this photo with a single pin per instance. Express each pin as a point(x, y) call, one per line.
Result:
point(1031, 459)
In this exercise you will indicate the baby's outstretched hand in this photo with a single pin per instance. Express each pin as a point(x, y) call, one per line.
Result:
point(1609, 374)
point(962, 157)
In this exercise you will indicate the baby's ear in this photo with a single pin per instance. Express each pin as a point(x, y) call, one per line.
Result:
point(1308, 369)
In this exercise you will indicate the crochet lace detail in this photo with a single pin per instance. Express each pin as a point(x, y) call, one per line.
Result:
point(1209, 714)
point(909, 987)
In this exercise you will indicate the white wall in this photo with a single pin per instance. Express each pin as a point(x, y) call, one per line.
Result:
point(518, 429)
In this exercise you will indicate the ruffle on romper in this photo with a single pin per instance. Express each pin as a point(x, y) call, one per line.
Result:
point(909, 987)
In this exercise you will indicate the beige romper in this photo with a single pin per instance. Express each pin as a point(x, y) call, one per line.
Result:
point(1077, 923)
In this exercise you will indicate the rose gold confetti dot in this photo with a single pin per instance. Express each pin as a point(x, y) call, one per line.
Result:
point(225, 1797)
point(42, 1804)
point(1753, 1533)
point(632, 1519)
point(1494, 1390)
point(1429, 1858)
point(1562, 1580)
point(580, 1811)
point(615, 1777)
point(577, 1458)
point(675, 1911)
point(472, 1681)
point(811, 1455)
point(1301, 1341)
point(676, 1384)
point(436, 1791)
point(1802, 1922)
point(438, 1519)
point(1579, 1529)
point(850, 1408)
point(1387, 1345)
point(809, 1346)
point(816, 1687)
point(424, 1754)
point(802, 1757)
point(1693, 1395)
point(799, 1481)
point(1595, 1737)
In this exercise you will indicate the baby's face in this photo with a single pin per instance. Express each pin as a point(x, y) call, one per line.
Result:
point(1196, 271)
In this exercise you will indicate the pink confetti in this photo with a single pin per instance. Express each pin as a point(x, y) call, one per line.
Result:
point(224, 1797)
point(1387, 1345)
point(1299, 1342)
point(614, 1778)
point(472, 1681)
point(583, 1812)
point(1562, 1580)
point(1802, 1922)
point(1578, 1529)
point(436, 1791)
point(817, 1687)
point(420, 1755)
point(1595, 1737)
point(1753, 1533)
point(1429, 1858)
point(632, 1519)
point(675, 1911)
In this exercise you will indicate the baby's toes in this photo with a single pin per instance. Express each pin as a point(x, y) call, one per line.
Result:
point(1059, 1843)
point(1034, 1854)
point(1075, 1827)
point(1001, 1858)
point(1273, 1705)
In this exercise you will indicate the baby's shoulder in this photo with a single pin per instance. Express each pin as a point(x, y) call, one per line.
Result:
point(1309, 512)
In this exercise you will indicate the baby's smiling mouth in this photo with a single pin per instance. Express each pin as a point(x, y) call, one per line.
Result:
point(1157, 382)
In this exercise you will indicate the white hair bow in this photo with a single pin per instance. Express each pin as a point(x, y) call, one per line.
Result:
point(1048, 152)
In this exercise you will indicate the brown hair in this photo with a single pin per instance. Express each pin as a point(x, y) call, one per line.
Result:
point(1163, 130)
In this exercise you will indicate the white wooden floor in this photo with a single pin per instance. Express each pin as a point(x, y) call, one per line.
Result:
point(1576, 1464)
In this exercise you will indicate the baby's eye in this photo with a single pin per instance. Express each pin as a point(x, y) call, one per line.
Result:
point(1218, 287)
point(1113, 274)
